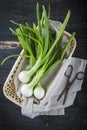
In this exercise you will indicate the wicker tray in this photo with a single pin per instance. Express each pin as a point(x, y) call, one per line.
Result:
point(9, 87)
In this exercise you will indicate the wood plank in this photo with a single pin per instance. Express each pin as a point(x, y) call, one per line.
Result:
point(22, 11)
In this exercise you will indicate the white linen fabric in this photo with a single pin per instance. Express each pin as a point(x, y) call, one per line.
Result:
point(54, 84)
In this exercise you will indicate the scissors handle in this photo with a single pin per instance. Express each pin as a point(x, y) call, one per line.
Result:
point(77, 76)
point(68, 72)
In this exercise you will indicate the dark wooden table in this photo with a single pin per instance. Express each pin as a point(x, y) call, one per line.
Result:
point(22, 11)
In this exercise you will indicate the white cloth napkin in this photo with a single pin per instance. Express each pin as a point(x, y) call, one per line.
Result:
point(54, 84)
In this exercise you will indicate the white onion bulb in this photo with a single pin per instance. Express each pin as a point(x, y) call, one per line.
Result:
point(26, 91)
point(23, 76)
point(39, 92)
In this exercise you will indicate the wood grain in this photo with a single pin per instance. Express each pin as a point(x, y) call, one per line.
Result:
point(22, 11)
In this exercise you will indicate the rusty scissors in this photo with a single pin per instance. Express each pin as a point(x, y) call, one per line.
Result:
point(79, 76)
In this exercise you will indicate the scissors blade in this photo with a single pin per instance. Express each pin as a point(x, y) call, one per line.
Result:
point(61, 93)
point(65, 96)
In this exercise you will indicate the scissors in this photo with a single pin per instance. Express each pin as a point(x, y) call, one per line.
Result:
point(79, 76)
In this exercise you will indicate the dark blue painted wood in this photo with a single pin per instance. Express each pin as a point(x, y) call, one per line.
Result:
point(22, 11)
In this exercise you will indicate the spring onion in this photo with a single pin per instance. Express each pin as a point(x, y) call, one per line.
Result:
point(42, 47)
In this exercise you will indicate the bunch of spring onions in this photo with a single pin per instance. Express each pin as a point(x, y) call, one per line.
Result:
point(42, 49)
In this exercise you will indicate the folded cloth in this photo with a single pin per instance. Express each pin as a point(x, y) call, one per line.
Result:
point(55, 82)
